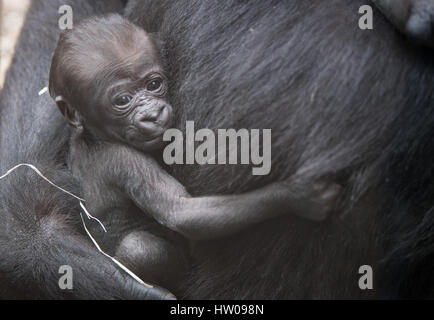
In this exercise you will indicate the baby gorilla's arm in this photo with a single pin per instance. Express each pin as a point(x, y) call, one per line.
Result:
point(216, 216)
point(156, 192)
point(413, 17)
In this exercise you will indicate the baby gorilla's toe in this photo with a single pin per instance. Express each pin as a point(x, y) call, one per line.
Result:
point(420, 24)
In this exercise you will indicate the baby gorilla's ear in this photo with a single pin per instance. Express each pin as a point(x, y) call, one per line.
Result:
point(69, 113)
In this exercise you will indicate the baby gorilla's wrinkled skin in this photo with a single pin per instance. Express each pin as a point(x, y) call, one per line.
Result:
point(413, 17)
point(119, 92)
point(107, 80)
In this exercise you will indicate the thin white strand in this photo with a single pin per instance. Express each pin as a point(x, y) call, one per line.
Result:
point(89, 216)
point(43, 90)
point(132, 274)
point(41, 175)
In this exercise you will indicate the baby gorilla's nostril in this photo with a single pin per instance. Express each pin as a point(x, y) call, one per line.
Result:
point(153, 115)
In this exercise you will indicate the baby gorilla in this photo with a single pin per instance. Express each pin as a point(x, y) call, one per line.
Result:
point(108, 82)
point(414, 17)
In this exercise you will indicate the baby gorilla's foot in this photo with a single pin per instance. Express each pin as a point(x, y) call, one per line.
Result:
point(152, 258)
point(420, 22)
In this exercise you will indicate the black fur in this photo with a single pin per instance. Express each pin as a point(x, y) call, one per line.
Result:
point(344, 102)
point(340, 101)
point(41, 229)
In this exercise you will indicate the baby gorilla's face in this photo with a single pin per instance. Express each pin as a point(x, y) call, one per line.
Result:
point(136, 112)
point(106, 76)
point(129, 91)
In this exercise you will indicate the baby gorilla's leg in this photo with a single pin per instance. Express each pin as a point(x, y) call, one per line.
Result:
point(152, 258)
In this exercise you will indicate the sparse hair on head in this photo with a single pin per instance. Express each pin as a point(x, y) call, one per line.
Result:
point(91, 41)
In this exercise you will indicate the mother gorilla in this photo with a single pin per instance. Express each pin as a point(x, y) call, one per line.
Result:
point(341, 102)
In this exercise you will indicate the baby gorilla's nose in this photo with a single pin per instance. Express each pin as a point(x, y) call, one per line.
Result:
point(155, 114)
point(159, 114)
point(152, 115)
point(153, 122)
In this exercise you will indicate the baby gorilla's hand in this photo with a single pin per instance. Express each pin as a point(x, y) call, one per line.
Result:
point(322, 200)
point(311, 201)
point(420, 22)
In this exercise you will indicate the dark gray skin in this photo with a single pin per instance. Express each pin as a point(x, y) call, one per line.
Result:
point(413, 17)
point(119, 109)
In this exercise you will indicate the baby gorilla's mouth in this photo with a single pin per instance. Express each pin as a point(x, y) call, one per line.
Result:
point(146, 141)
point(150, 125)
point(154, 138)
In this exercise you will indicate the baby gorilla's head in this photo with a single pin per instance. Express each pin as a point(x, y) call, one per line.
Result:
point(106, 77)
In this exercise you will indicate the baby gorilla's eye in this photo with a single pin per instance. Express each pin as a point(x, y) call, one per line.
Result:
point(154, 85)
point(123, 100)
